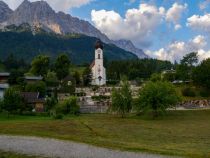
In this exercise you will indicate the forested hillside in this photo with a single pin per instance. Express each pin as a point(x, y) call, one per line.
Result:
point(80, 48)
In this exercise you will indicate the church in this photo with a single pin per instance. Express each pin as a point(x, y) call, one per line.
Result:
point(97, 67)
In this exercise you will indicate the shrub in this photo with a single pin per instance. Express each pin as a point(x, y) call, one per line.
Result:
point(188, 92)
point(155, 77)
point(13, 102)
point(69, 106)
point(1, 105)
point(100, 97)
point(204, 93)
point(58, 116)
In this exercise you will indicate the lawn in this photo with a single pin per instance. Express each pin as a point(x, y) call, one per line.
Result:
point(184, 133)
point(14, 155)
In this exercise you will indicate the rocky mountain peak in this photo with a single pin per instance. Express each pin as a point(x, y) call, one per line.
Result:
point(5, 11)
point(40, 15)
point(129, 46)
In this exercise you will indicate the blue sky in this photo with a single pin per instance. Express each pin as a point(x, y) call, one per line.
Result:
point(164, 29)
point(164, 34)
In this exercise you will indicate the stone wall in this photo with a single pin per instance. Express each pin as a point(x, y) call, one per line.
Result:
point(195, 104)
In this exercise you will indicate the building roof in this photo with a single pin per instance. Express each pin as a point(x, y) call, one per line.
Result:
point(31, 97)
point(7, 74)
point(99, 45)
point(92, 64)
point(68, 78)
point(4, 86)
point(34, 78)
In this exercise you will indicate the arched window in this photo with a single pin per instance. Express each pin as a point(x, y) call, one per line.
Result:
point(99, 56)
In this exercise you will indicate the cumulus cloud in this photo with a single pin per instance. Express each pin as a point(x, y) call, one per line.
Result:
point(137, 25)
point(177, 49)
point(65, 5)
point(177, 26)
point(200, 23)
point(174, 14)
point(203, 5)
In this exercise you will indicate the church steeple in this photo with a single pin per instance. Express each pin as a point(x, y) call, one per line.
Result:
point(98, 70)
point(99, 45)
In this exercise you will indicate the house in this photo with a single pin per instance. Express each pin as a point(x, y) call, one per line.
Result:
point(3, 87)
point(4, 76)
point(33, 79)
point(33, 99)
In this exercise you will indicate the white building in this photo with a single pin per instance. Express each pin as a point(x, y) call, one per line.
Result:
point(3, 87)
point(97, 67)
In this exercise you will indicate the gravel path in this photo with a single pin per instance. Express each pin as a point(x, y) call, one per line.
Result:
point(62, 149)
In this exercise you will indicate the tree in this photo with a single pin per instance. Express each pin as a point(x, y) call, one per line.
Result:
point(51, 79)
point(157, 97)
point(11, 62)
point(155, 77)
point(69, 106)
point(62, 65)
point(187, 64)
point(76, 76)
point(38, 87)
point(40, 65)
point(15, 77)
point(50, 103)
point(12, 101)
point(201, 74)
point(190, 59)
point(87, 76)
point(122, 99)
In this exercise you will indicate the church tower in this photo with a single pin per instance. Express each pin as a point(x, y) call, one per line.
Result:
point(98, 70)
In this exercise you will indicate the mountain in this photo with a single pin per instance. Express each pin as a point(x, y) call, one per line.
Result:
point(24, 43)
point(128, 45)
point(40, 15)
point(5, 11)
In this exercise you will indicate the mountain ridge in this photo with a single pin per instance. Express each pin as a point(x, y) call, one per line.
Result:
point(25, 43)
point(40, 14)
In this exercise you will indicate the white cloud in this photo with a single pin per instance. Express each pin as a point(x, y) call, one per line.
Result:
point(203, 5)
point(137, 25)
point(174, 14)
point(177, 49)
point(177, 26)
point(200, 23)
point(65, 5)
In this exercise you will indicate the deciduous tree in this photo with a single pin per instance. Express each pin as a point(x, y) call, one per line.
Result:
point(157, 97)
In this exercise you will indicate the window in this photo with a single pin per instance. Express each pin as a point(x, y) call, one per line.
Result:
point(99, 56)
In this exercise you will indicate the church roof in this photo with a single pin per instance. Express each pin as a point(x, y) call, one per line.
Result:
point(92, 64)
point(99, 44)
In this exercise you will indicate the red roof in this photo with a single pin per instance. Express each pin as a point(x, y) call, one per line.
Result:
point(92, 64)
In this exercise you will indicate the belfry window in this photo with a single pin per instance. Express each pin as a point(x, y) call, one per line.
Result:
point(99, 56)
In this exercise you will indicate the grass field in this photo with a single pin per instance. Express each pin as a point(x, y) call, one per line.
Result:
point(14, 155)
point(184, 133)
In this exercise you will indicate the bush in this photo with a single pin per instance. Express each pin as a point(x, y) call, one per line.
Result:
point(204, 93)
point(155, 77)
point(100, 97)
point(188, 92)
point(58, 116)
point(69, 106)
point(1, 105)
point(13, 102)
